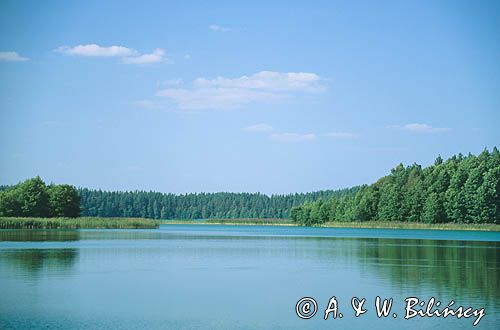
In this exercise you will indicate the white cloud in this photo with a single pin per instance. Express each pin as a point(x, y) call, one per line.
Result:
point(128, 55)
point(267, 80)
point(218, 28)
point(216, 98)
point(292, 137)
point(341, 135)
point(12, 57)
point(158, 55)
point(96, 50)
point(228, 93)
point(259, 128)
point(421, 128)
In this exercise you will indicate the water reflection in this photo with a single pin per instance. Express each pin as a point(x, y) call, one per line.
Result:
point(39, 235)
point(147, 278)
point(32, 262)
point(460, 268)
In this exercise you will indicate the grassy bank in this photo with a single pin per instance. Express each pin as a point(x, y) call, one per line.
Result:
point(251, 221)
point(138, 223)
point(413, 225)
point(353, 224)
point(77, 223)
point(239, 221)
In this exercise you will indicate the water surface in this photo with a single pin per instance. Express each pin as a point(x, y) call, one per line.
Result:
point(240, 277)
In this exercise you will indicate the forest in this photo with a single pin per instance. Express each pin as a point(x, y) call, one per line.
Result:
point(155, 205)
point(462, 189)
point(33, 198)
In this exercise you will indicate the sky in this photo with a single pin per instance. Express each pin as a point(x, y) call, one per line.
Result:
point(243, 96)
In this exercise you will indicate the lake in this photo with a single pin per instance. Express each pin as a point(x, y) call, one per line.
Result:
point(241, 277)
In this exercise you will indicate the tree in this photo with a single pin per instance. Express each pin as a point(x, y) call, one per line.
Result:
point(460, 189)
point(64, 201)
point(471, 188)
point(413, 198)
point(10, 203)
point(455, 205)
point(389, 206)
point(34, 198)
point(433, 209)
point(414, 202)
point(318, 212)
point(489, 197)
point(365, 206)
point(297, 214)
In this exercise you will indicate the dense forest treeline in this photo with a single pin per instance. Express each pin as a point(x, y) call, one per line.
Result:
point(33, 198)
point(155, 205)
point(462, 189)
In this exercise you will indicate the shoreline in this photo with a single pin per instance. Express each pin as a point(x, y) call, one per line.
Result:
point(352, 224)
point(141, 223)
point(77, 223)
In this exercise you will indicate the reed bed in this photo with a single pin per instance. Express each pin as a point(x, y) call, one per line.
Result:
point(77, 223)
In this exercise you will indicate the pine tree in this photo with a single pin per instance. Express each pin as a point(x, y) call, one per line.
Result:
point(433, 209)
point(489, 197)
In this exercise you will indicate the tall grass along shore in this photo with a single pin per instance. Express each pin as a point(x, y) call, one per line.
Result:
point(342, 224)
point(77, 223)
point(141, 223)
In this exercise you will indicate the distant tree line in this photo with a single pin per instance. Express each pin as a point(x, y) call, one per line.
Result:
point(462, 189)
point(97, 203)
point(33, 198)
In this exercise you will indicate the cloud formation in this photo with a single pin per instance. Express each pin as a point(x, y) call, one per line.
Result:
point(127, 55)
point(421, 128)
point(12, 57)
point(215, 98)
point(158, 55)
point(218, 28)
point(267, 80)
point(96, 50)
point(229, 93)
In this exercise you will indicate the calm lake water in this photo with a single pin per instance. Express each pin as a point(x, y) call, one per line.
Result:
point(241, 277)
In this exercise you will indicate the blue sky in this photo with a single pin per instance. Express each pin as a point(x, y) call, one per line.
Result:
point(269, 96)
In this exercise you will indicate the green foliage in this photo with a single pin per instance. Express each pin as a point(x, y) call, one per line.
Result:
point(459, 190)
point(97, 203)
point(64, 201)
point(489, 196)
point(433, 211)
point(80, 223)
point(10, 203)
point(248, 221)
point(32, 198)
point(390, 203)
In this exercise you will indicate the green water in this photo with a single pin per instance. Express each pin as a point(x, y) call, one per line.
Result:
point(241, 277)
